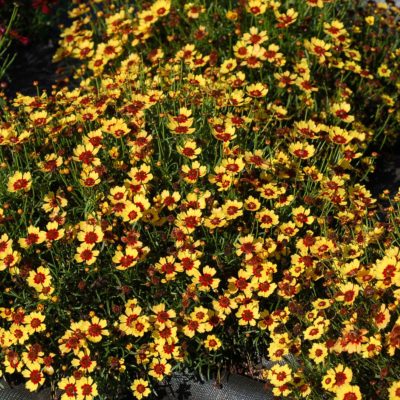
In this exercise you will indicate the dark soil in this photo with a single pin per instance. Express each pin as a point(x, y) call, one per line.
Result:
point(387, 171)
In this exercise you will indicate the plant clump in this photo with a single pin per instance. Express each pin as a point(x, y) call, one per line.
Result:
point(196, 199)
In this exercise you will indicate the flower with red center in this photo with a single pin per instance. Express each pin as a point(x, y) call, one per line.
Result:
point(212, 343)
point(127, 259)
point(287, 18)
point(278, 375)
point(347, 292)
point(188, 221)
point(140, 388)
point(348, 392)
point(69, 387)
point(223, 305)
point(302, 150)
point(189, 149)
point(159, 368)
point(53, 233)
point(89, 178)
point(86, 254)
point(86, 154)
point(265, 288)
point(191, 174)
point(394, 390)
point(20, 181)
point(313, 332)
point(337, 377)
point(35, 322)
point(90, 234)
point(84, 362)
point(87, 388)
point(257, 90)
point(319, 48)
point(248, 246)
point(97, 329)
point(252, 204)
point(168, 267)
point(205, 280)
point(34, 376)
point(318, 352)
point(39, 278)
point(248, 314)
point(267, 218)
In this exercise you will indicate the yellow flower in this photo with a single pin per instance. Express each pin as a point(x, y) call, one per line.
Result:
point(337, 134)
point(212, 343)
point(34, 322)
point(394, 391)
point(286, 19)
point(232, 209)
point(231, 15)
point(319, 48)
point(370, 20)
point(228, 66)
point(256, 7)
point(318, 352)
point(267, 218)
point(159, 368)
point(39, 278)
point(20, 181)
point(39, 118)
point(86, 154)
point(337, 377)
point(193, 11)
point(224, 305)
point(168, 268)
point(313, 332)
point(161, 8)
point(257, 90)
point(248, 314)
point(215, 220)
point(131, 213)
point(384, 71)
point(19, 334)
point(34, 236)
point(347, 292)
point(302, 150)
point(278, 375)
point(302, 216)
point(35, 377)
point(248, 245)
point(347, 392)
point(89, 178)
point(127, 259)
point(97, 329)
point(188, 221)
point(86, 254)
point(341, 110)
point(205, 280)
point(334, 28)
point(189, 149)
point(84, 362)
point(192, 173)
point(252, 204)
point(69, 386)
point(87, 388)
point(140, 388)
point(116, 127)
point(51, 163)
point(315, 3)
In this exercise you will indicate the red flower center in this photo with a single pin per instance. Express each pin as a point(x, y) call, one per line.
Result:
point(35, 376)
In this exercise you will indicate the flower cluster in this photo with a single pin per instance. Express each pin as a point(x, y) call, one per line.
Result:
point(198, 199)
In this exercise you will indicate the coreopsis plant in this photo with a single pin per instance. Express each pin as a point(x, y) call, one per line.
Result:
point(196, 199)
